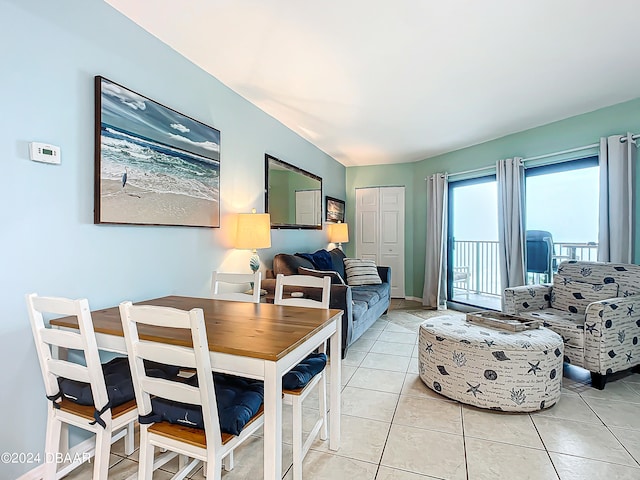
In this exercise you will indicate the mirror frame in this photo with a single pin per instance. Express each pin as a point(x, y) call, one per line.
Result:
point(269, 158)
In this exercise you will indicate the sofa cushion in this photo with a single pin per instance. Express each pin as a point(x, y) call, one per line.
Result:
point(366, 296)
point(358, 309)
point(382, 289)
point(360, 271)
point(574, 296)
point(336, 279)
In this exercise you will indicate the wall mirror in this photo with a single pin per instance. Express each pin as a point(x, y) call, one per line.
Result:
point(293, 197)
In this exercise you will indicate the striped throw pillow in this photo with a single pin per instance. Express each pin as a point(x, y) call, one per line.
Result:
point(361, 272)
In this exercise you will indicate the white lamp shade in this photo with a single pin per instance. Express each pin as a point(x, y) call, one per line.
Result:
point(339, 233)
point(254, 231)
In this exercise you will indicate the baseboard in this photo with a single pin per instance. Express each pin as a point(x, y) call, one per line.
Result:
point(38, 472)
point(415, 299)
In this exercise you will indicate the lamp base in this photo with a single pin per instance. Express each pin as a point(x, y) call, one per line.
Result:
point(254, 262)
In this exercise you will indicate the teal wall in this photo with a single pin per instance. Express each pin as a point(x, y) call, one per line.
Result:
point(51, 52)
point(573, 132)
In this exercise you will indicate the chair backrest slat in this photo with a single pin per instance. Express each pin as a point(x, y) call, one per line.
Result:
point(55, 305)
point(167, 354)
point(166, 317)
point(72, 371)
point(302, 281)
point(178, 392)
point(245, 279)
point(85, 341)
point(62, 339)
point(145, 386)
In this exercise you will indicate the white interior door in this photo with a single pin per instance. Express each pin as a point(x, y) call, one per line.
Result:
point(392, 236)
point(368, 223)
point(380, 231)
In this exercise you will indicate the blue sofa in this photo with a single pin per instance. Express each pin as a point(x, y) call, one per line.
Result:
point(362, 305)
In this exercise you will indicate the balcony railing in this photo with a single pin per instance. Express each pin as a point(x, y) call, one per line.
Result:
point(482, 260)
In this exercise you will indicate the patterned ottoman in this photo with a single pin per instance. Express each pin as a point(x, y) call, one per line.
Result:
point(491, 368)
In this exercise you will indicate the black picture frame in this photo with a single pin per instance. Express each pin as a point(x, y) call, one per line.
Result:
point(281, 195)
point(153, 165)
point(334, 208)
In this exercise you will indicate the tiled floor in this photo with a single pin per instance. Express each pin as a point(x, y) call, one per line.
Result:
point(394, 428)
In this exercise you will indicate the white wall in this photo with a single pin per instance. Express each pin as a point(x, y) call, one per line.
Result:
point(51, 50)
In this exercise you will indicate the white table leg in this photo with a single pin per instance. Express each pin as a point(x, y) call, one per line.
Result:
point(272, 422)
point(336, 385)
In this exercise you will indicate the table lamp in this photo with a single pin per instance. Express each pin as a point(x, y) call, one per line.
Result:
point(339, 233)
point(254, 231)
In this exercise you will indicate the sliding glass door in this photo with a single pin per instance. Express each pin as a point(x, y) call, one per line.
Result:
point(562, 212)
point(561, 220)
point(473, 271)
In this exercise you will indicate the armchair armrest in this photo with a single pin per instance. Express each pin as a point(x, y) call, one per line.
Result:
point(527, 298)
point(611, 332)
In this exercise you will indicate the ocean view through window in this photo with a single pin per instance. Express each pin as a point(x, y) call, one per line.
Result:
point(561, 208)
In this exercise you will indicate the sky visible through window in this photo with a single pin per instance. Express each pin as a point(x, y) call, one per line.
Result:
point(475, 212)
point(563, 203)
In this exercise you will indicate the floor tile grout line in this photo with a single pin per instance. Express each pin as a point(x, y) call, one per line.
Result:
point(616, 437)
point(464, 443)
point(384, 447)
point(555, 469)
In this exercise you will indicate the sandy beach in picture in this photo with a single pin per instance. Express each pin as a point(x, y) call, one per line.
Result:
point(156, 166)
point(135, 205)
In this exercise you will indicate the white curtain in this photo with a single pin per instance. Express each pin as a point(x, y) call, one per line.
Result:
point(616, 223)
point(511, 233)
point(435, 269)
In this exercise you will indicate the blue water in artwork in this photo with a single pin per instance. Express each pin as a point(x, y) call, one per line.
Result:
point(157, 167)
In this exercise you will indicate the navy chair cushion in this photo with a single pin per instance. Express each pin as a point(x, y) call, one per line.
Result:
point(117, 377)
point(238, 400)
point(301, 374)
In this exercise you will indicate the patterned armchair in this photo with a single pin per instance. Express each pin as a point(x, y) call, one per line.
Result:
point(595, 307)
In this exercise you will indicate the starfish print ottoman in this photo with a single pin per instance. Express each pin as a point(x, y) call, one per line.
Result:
point(491, 368)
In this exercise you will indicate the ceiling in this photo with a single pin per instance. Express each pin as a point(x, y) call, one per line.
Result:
point(372, 82)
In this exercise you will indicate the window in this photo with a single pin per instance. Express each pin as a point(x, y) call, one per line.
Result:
point(561, 200)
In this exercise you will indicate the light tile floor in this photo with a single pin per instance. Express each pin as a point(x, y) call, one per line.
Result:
point(395, 428)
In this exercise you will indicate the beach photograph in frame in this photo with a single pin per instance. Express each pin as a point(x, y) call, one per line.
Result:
point(335, 209)
point(153, 165)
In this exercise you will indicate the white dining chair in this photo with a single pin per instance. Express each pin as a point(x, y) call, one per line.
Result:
point(209, 445)
point(99, 418)
point(295, 398)
point(219, 279)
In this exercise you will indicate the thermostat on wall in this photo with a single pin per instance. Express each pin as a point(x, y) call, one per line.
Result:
point(42, 152)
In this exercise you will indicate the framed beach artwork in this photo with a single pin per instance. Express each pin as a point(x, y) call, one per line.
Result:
point(153, 165)
point(335, 209)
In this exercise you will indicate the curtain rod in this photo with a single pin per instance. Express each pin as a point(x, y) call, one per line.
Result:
point(466, 171)
point(539, 157)
point(633, 138)
point(571, 150)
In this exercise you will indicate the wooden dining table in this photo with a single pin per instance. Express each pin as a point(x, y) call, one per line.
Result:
point(261, 341)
